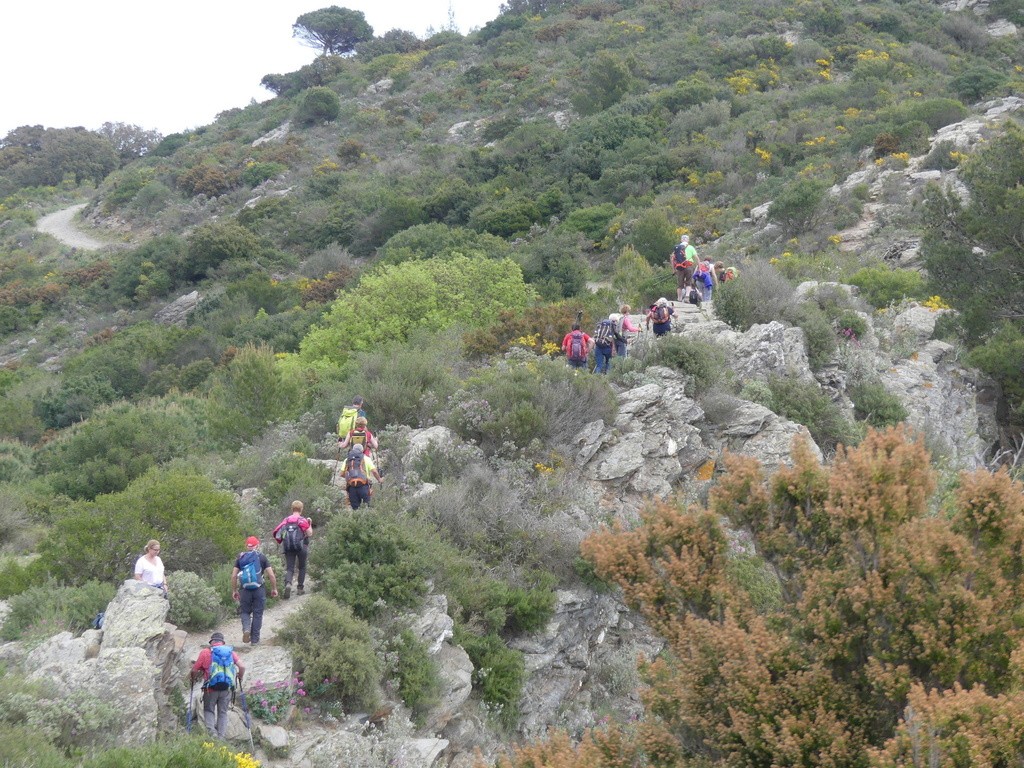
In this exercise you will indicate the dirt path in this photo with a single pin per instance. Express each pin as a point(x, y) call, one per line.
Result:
point(60, 225)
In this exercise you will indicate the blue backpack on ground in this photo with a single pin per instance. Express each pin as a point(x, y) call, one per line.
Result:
point(223, 669)
point(250, 572)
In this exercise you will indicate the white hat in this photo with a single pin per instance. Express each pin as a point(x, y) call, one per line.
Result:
point(615, 317)
point(662, 301)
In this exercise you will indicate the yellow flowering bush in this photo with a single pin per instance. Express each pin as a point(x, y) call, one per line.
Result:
point(935, 303)
point(242, 759)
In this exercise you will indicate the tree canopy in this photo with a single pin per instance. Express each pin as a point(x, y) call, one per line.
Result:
point(334, 30)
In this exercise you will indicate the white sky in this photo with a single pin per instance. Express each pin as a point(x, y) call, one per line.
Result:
point(170, 66)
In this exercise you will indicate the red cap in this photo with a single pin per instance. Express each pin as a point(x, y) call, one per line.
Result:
point(252, 541)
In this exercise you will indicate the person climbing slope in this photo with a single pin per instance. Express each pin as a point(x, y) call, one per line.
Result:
point(357, 472)
point(293, 534)
point(221, 670)
point(248, 589)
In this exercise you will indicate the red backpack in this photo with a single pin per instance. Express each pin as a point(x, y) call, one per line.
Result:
point(577, 347)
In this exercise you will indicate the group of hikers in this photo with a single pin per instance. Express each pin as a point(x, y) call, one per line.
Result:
point(695, 283)
point(696, 279)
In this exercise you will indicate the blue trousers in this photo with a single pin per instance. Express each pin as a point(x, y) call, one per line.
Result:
point(602, 358)
point(358, 495)
point(251, 603)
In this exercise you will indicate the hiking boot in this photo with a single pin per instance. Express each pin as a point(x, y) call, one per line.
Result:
point(301, 591)
point(245, 637)
point(287, 591)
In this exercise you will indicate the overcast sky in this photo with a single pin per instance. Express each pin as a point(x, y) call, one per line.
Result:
point(170, 66)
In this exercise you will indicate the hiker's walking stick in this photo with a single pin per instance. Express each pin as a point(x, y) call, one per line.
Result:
point(188, 711)
point(248, 721)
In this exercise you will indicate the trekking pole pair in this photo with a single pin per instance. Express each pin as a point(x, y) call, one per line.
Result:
point(188, 711)
point(248, 720)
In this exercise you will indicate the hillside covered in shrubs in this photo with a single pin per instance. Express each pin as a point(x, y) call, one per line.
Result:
point(420, 223)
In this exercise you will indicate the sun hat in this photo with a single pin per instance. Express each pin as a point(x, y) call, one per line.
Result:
point(216, 637)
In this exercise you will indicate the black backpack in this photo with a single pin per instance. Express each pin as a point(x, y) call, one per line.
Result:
point(693, 296)
point(604, 333)
point(291, 537)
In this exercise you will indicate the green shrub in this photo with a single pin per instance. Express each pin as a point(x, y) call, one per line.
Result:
point(797, 207)
point(22, 746)
point(700, 360)
point(257, 173)
point(592, 221)
point(16, 577)
point(977, 82)
point(498, 673)
point(332, 645)
point(498, 606)
point(880, 286)
point(75, 722)
point(514, 404)
point(44, 610)
point(317, 105)
point(117, 445)
point(198, 527)
point(819, 335)
point(653, 235)
point(214, 243)
point(758, 581)
point(1002, 358)
point(805, 403)
point(196, 751)
point(295, 478)
point(941, 157)
point(194, 603)
point(759, 295)
point(15, 464)
point(367, 560)
point(408, 661)
point(873, 403)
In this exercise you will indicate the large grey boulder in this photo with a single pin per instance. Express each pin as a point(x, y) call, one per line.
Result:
point(177, 312)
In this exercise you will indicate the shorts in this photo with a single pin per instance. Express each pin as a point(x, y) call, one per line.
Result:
point(684, 276)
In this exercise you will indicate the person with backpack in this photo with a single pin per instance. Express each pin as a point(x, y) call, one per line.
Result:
point(683, 261)
point(360, 435)
point(293, 534)
point(577, 346)
point(705, 278)
point(149, 569)
point(693, 296)
point(623, 327)
point(248, 589)
point(220, 669)
point(357, 472)
point(659, 318)
point(349, 414)
point(604, 345)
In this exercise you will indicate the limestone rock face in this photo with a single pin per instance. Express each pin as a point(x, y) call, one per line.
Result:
point(177, 312)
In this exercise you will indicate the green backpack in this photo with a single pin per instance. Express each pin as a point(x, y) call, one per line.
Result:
point(347, 420)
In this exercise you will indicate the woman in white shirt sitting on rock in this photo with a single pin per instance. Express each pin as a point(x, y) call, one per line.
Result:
point(149, 569)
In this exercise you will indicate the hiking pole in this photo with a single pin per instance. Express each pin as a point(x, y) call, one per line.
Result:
point(248, 721)
point(188, 711)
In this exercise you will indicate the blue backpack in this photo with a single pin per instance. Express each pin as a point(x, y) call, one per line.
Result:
point(249, 575)
point(223, 669)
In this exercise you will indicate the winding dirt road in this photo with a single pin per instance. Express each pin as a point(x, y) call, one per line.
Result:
point(60, 225)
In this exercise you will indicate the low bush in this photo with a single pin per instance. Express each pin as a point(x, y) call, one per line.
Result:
point(408, 661)
point(702, 361)
point(880, 286)
point(317, 105)
point(74, 722)
point(498, 673)
point(805, 403)
point(819, 335)
point(513, 404)
point(873, 403)
point(332, 645)
point(758, 581)
point(368, 560)
point(22, 746)
point(44, 610)
point(16, 577)
point(194, 603)
point(198, 526)
point(758, 295)
point(194, 751)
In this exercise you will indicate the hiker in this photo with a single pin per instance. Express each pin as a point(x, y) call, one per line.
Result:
point(359, 435)
point(358, 470)
point(349, 414)
point(705, 279)
point(623, 326)
point(248, 590)
point(149, 569)
point(694, 296)
point(220, 669)
point(293, 534)
point(719, 273)
point(730, 274)
point(659, 318)
point(604, 345)
point(683, 261)
point(577, 346)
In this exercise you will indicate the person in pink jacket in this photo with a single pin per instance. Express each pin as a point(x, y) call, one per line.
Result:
point(623, 325)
